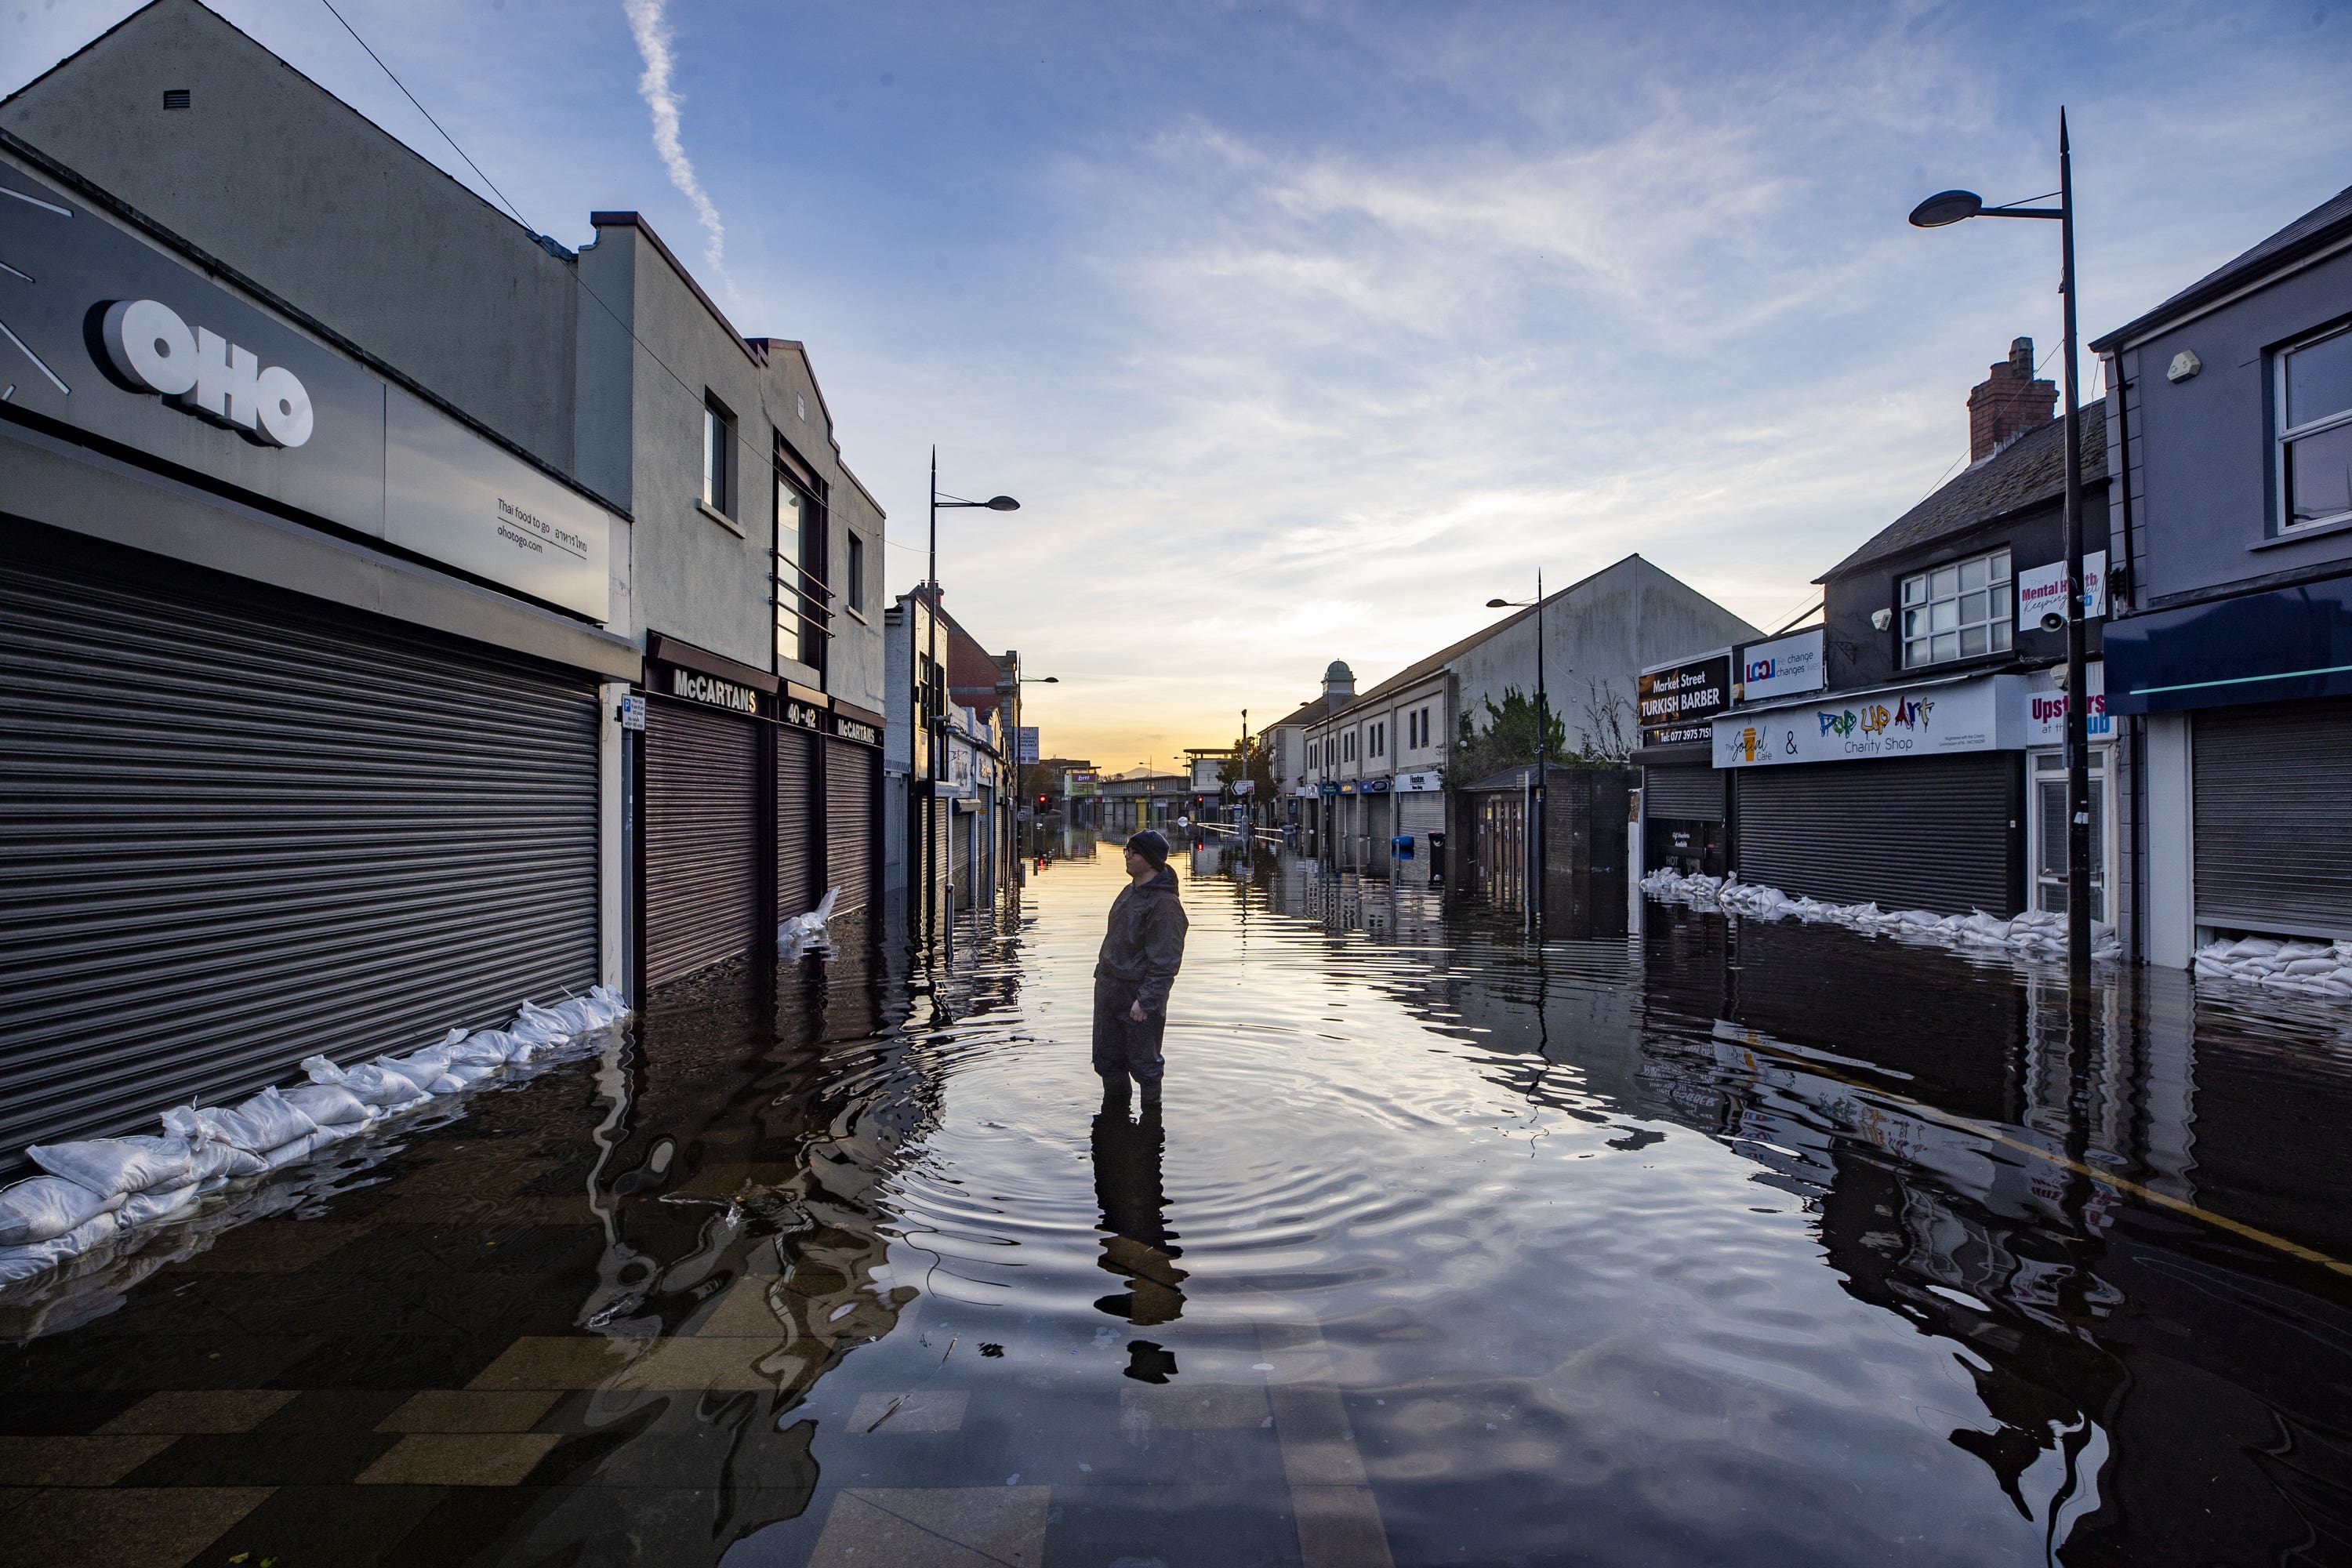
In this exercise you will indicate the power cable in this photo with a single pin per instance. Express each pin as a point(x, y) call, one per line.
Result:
point(571, 272)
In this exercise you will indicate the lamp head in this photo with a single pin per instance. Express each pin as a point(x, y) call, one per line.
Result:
point(1049, 680)
point(1002, 503)
point(1946, 207)
point(1498, 604)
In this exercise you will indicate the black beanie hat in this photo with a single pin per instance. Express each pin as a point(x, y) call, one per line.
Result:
point(1151, 846)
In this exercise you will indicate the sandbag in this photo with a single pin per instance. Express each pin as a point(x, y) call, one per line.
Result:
point(40, 1256)
point(490, 1046)
point(465, 1075)
point(41, 1208)
point(112, 1166)
point(259, 1125)
point(163, 1203)
point(293, 1149)
point(327, 1104)
point(374, 1084)
point(217, 1163)
point(424, 1069)
point(539, 1025)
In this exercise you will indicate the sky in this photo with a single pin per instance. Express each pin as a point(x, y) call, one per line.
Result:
point(1300, 330)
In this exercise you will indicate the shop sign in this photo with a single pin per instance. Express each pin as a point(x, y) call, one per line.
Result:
point(696, 687)
point(1419, 783)
point(856, 729)
point(802, 715)
point(1785, 666)
point(1374, 787)
point(2043, 589)
point(113, 336)
point(1980, 715)
point(1676, 702)
point(1331, 789)
point(2045, 707)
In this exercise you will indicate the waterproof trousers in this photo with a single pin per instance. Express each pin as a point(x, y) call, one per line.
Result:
point(1122, 1044)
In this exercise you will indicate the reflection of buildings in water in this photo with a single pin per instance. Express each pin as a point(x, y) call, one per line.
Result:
point(745, 1134)
point(1129, 1186)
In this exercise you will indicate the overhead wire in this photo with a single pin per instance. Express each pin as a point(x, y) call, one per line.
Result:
point(571, 272)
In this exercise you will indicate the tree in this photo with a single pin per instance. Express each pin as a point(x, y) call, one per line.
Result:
point(1256, 765)
point(1507, 738)
point(1605, 737)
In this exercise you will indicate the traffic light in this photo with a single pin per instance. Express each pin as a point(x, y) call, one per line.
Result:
point(1041, 803)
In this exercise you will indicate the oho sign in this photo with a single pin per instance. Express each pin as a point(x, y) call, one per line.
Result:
point(150, 346)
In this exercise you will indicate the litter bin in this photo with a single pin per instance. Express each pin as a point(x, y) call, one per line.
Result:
point(1436, 857)
point(1401, 846)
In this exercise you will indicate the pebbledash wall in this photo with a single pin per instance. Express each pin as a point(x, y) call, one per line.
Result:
point(603, 364)
point(307, 676)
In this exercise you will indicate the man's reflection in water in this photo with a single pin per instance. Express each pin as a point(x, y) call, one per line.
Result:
point(1139, 1247)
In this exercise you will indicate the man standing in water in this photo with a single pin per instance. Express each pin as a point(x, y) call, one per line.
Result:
point(1139, 958)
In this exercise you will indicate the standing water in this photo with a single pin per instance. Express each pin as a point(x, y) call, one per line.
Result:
point(1730, 1242)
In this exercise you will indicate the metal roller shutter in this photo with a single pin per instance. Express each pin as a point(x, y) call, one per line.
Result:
point(1420, 814)
point(1687, 794)
point(849, 822)
point(702, 836)
point(798, 838)
point(1926, 833)
point(238, 827)
point(2273, 834)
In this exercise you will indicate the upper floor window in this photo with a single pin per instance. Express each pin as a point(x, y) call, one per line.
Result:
point(803, 602)
point(1347, 747)
point(857, 583)
point(718, 456)
point(1957, 611)
point(2314, 425)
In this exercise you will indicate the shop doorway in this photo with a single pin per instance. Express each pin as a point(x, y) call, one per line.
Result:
point(2046, 810)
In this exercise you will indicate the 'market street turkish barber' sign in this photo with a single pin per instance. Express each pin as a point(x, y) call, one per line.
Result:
point(114, 335)
point(1677, 701)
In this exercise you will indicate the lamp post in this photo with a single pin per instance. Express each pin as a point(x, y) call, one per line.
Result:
point(1543, 766)
point(934, 722)
point(1954, 207)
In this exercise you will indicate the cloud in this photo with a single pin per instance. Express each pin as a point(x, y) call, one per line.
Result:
point(650, 25)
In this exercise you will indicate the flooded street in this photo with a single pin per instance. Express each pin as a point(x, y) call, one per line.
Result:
point(1734, 1242)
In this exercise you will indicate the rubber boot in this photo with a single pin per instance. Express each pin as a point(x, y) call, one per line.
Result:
point(1114, 1092)
point(1152, 1095)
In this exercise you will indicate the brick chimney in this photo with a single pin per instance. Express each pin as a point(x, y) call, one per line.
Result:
point(2007, 403)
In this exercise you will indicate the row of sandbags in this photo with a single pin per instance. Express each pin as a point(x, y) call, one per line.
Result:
point(2037, 933)
point(2321, 968)
point(95, 1188)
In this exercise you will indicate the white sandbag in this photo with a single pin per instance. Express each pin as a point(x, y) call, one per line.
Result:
point(491, 1045)
point(2310, 964)
point(293, 1149)
point(217, 1163)
point(424, 1068)
point(465, 1075)
point(41, 1209)
point(2252, 947)
point(40, 1256)
point(327, 1104)
point(161, 1202)
point(108, 1167)
point(377, 1085)
point(609, 1003)
point(261, 1124)
point(539, 1025)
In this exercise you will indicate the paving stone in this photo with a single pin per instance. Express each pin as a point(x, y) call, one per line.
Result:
point(938, 1527)
point(1186, 1405)
point(262, 1459)
point(118, 1527)
point(461, 1459)
point(187, 1410)
point(557, 1361)
point(331, 1527)
point(66, 1461)
point(471, 1410)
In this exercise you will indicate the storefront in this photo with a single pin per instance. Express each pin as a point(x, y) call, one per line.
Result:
point(2044, 730)
point(1420, 809)
point(309, 746)
point(1910, 797)
point(2247, 709)
point(759, 796)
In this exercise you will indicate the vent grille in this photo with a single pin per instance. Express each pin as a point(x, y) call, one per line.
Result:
point(175, 98)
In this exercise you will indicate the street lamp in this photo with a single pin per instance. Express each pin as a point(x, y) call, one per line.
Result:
point(936, 722)
point(1543, 769)
point(1938, 211)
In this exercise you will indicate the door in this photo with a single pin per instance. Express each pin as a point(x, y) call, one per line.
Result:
point(2273, 838)
point(239, 826)
point(1941, 833)
point(1502, 847)
point(702, 858)
point(2046, 811)
point(799, 831)
point(849, 822)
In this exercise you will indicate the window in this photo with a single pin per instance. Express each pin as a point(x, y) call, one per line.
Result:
point(1314, 753)
point(176, 98)
point(1347, 747)
point(2314, 425)
point(856, 572)
point(1957, 611)
point(803, 602)
point(718, 458)
point(2049, 831)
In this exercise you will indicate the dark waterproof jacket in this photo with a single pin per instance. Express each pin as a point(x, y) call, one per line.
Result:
point(1145, 946)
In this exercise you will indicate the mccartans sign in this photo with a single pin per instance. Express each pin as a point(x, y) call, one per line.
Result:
point(696, 687)
point(850, 728)
point(1677, 701)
